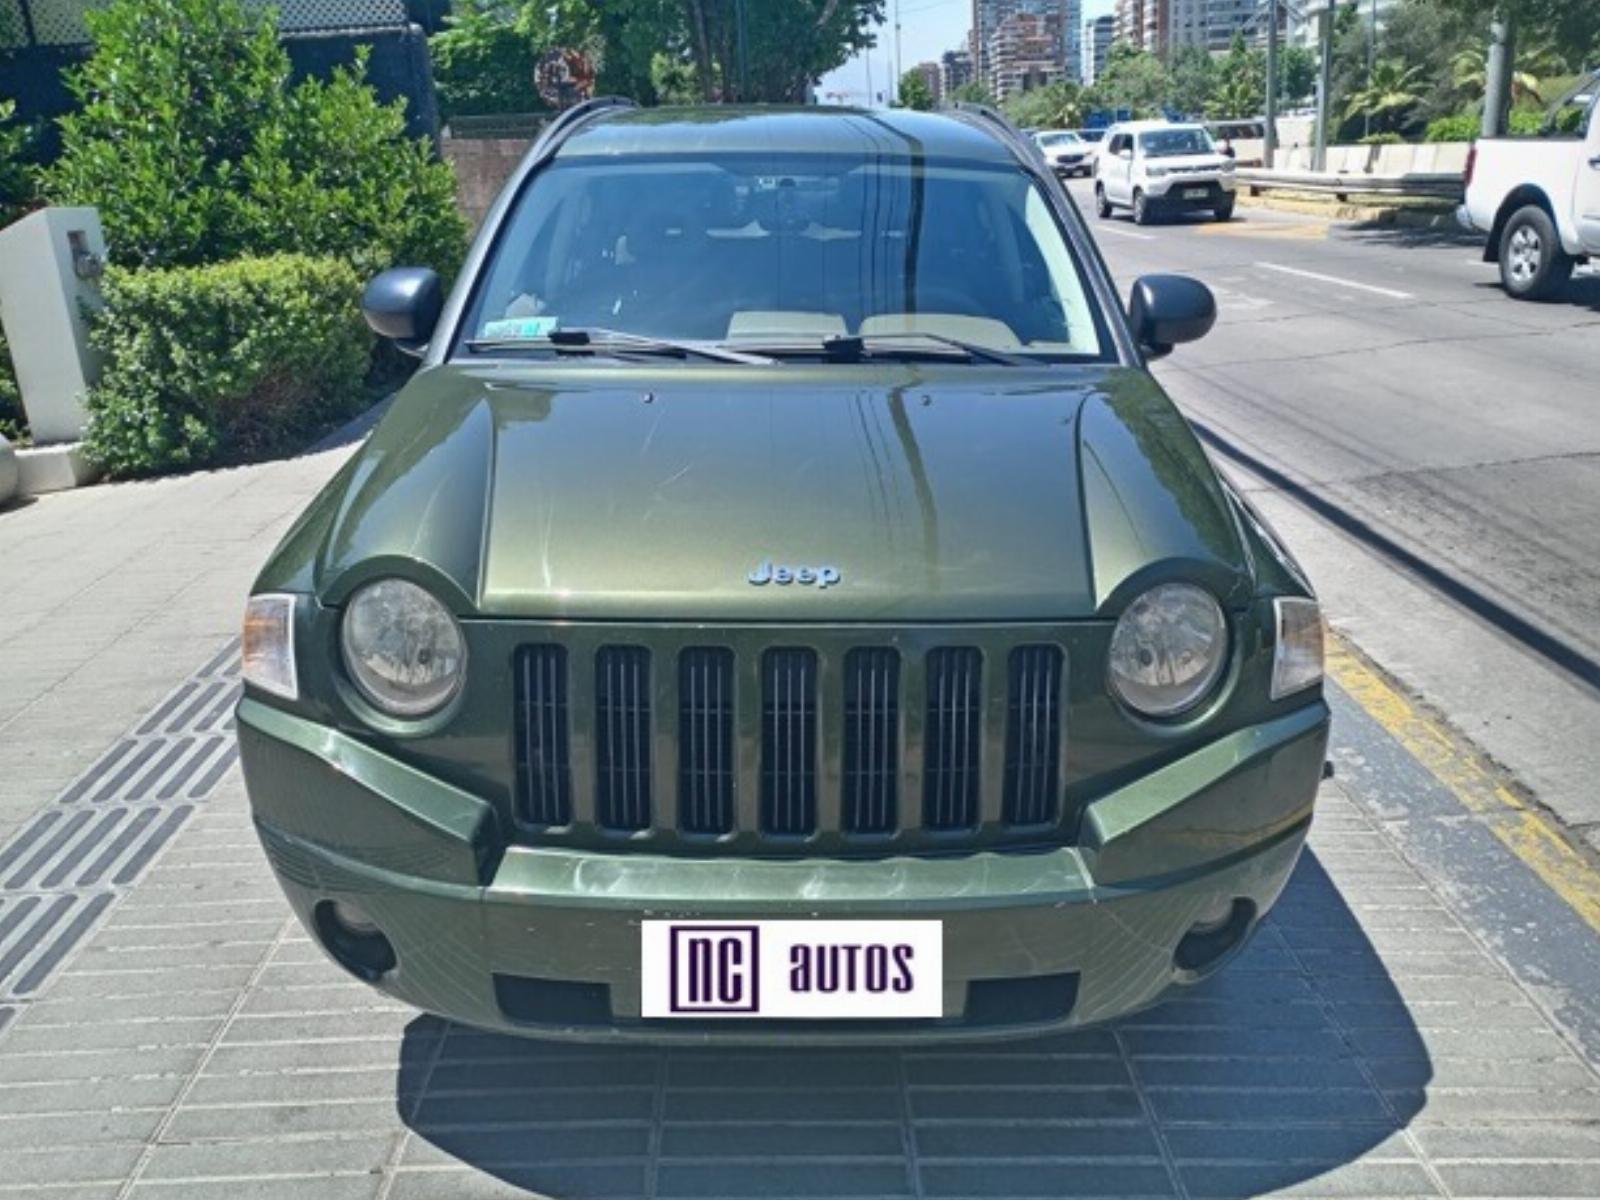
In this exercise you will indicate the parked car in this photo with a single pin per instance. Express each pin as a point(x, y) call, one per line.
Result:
point(1066, 152)
point(783, 593)
point(1243, 141)
point(1538, 198)
point(1155, 168)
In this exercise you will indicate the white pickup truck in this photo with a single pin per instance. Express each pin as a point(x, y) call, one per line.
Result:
point(1538, 198)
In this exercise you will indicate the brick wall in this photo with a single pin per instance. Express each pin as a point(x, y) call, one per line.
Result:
point(482, 166)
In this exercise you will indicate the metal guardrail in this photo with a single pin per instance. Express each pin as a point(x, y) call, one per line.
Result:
point(1446, 185)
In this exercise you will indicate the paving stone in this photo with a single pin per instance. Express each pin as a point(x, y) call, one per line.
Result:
point(1522, 1178)
point(620, 1183)
point(217, 1160)
point(760, 1178)
point(1394, 1181)
point(284, 1187)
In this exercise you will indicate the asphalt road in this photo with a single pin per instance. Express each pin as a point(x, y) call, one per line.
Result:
point(1429, 449)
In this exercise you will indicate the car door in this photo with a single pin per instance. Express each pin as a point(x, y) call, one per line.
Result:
point(1118, 168)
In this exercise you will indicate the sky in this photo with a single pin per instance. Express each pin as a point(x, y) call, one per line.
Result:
point(927, 29)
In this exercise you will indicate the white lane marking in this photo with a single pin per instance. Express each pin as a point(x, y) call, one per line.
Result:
point(1336, 281)
point(1143, 237)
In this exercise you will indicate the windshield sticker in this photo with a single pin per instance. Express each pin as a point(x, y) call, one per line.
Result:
point(521, 328)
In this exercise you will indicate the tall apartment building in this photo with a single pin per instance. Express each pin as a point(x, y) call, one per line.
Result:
point(1098, 35)
point(1025, 51)
point(1072, 39)
point(955, 70)
point(1143, 24)
point(1020, 51)
point(1160, 26)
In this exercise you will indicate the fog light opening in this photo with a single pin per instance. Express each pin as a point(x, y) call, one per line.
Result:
point(354, 940)
point(1219, 931)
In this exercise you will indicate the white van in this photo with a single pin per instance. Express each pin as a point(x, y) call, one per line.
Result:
point(1156, 167)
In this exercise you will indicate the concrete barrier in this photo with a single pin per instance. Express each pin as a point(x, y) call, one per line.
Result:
point(1433, 169)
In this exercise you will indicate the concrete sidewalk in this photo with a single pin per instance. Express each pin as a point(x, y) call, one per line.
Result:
point(110, 595)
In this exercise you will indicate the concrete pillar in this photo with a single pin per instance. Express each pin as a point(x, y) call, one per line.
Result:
point(49, 268)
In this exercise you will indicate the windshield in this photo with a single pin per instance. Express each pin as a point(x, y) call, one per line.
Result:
point(1169, 143)
point(1058, 139)
point(759, 249)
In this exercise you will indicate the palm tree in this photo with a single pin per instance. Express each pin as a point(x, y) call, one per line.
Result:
point(1390, 92)
point(1470, 72)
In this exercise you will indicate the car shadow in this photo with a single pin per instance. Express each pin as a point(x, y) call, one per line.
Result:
point(1297, 1060)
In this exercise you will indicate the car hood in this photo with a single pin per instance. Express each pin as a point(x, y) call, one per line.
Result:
point(936, 493)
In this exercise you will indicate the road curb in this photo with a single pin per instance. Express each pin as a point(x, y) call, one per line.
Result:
point(1405, 216)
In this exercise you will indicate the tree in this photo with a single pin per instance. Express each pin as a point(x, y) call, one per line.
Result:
point(1297, 70)
point(195, 148)
point(1470, 72)
point(915, 92)
point(1388, 97)
point(18, 181)
point(1241, 82)
point(1054, 106)
point(1133, 79)
point(971, 93)
point(1193, 74)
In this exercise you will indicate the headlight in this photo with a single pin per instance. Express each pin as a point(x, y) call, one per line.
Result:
point(403, 648)
point(1297, 649)
point(1229, 166)
point(1156, 172)
point(1168, 649)
point(268, 645)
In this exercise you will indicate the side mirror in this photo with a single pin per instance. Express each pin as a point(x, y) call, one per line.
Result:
point(1227, 149)
point(403, 304)
point(1164, 310)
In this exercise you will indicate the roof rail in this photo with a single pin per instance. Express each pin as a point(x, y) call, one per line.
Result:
point(1019, 142)
point(569, 119)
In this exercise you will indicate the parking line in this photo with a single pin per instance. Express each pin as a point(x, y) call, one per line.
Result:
point(1542, 847)
point(1336, 281)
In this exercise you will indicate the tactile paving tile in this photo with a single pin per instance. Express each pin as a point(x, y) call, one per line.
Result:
point(64, 868)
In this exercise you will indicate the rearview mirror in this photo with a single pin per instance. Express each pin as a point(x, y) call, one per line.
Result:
point(403, 304)
point(1164, 310)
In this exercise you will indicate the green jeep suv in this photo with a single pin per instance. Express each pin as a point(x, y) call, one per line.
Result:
point(782, 606)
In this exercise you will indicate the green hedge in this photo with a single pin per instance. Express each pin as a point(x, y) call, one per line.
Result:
point(216, 364)
point(13, 422)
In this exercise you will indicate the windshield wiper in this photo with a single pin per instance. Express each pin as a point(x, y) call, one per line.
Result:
point(593, 338)
point(855, 345)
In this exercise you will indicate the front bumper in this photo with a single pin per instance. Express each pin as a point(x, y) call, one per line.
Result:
point(1173, 193)
point(545, 941)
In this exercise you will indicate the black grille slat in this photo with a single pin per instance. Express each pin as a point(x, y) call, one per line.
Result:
point(950, 740)
point(871, 776)
point(789, 741)
point(622, 737)
point(544, 776)
point(1033, 736)
point(705, 740)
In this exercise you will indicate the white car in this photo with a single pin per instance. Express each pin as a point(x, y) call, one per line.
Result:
point(1155, 167)
point(1066, 152)
point(1538, 198)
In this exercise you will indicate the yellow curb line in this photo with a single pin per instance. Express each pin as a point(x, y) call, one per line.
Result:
point(1542, 847)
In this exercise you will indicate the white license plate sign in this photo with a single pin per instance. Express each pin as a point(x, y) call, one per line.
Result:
point(807, 970)
point(1195, 193)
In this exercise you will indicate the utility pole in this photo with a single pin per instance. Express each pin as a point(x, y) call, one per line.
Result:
point(1269, 148)
point(1497, 72)
point(1372, 62)
point(744, 54)
point(899, 65)
point(1324, 83)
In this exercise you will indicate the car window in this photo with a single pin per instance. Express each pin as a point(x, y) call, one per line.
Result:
point(1168, 143)
point(730, 248)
